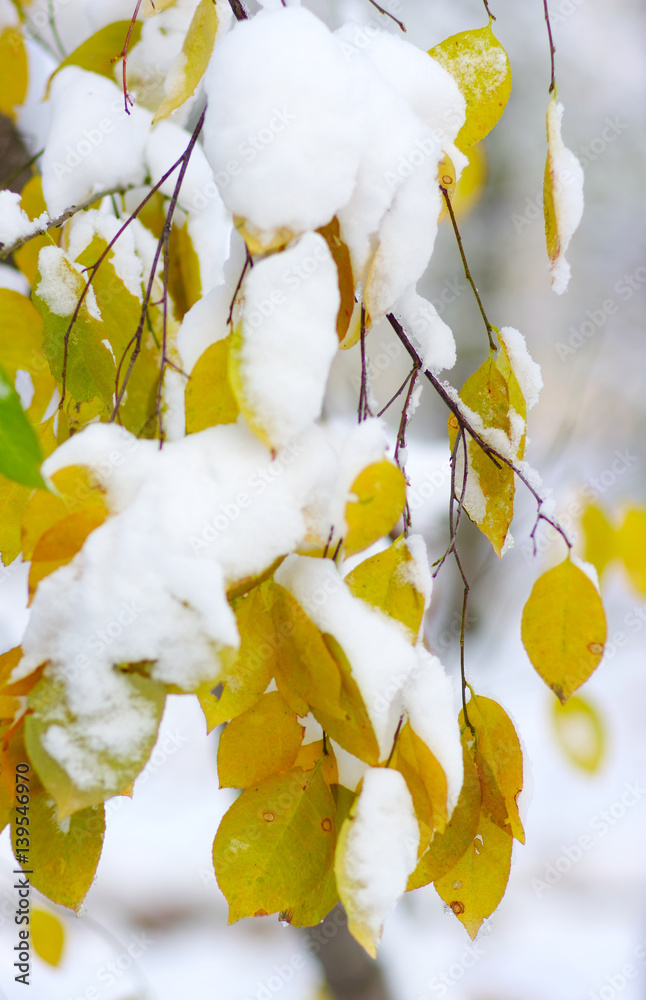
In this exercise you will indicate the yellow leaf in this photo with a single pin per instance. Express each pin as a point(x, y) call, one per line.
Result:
point(580, 732)
point(262, 741)
point(184, 281)
point(564, 628)
point(472, 183)
point(14, 71)
point(258, 853)
point(426, 783)
point(13, 498)
point(190, 66)
point(61, 543)
point(310, 754)
point(316, 905)
point(350, 725)
point(489, 499)
point(631, 541)
point(47, 936)
point(516, 399)
point(479, 64)
point(499, 762)
point(77, 491)
point(388, 582)
point(341, 254)
point(209, 397)
point(242, 684)
point(601, 539)
point(100, 52)
point(447, 848)
point(26, 257)
point(379, 496)
point(474, 887)
point(563, 172)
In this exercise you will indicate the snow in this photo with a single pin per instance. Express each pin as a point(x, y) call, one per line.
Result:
point(527, 372)
point(435, 339)
point(15, 224)
point(58, 288)
point(93, 145)
point(377, 649)
point(289, 340)
point(203, 325)
point(380, 850)
point(278, 133)
point(11, 278)
point(567, 191)
point(127, 265)
point(429, 700)
point(416, 571)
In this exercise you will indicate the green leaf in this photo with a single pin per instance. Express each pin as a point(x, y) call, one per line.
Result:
point(100, 770)
point(447, 848)
point(190, 66)
point(474, 887)
point(20, 455)
point(389, 581)
point(262, 741)
point(580, 733)
point(564, 628)
point(100, 51)
point(479, 64)
point(499, 762)
point(275, 844)
point(379, 496)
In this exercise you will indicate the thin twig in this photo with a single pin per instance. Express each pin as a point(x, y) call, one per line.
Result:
point(124, 55)
point(238, 10)
point(392, 750)
point(401, 439)
point(387, 13)
point(397, 394)
point(552, 49)
point(52, 23)
point(467, 272)
point(248, 263)
point(492, 16)
point(363, 409)
point(19, 170)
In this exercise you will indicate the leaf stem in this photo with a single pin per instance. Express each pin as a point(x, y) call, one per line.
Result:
point(467, 272)
point(552, 49)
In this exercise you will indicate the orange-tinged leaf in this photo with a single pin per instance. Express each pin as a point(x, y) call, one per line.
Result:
point(426, 783)
point(580, 732)
point(275, 844)
point(78, 492)
point(447, 848)
point(379, 496)
point(62, 542)
point(564, 628)
point(479, 64)
point(209, 398)
point(499, 762)
point(47, 936)
point(262, 741)
point(14, 71)
point(341, 254)
point(474, 887)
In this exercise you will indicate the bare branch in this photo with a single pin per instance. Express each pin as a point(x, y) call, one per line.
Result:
point(552, 49)
point(387, 13)
point(467, 272)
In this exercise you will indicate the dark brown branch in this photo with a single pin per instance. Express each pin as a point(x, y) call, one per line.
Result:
point(248, 263)
point(396, 396)
point(363, 408)
point(552, 49)
point(239, 12)
point(392, 749)
point(492, 16)
point(387, 13)
point(467, 272)
point(124, 55)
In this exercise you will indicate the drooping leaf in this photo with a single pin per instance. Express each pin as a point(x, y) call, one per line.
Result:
point(209, 398)
point(471, 186)
point(446, 848)
point(378, 499)
point(350, 726)
point(564, 628)
point(601, 538)
point(341, 254)
point(262, 741)
point(426, 782)
point(190, 65)
point(311, 754)
point(562, 197)
point(631, 543)
point(14, 71)
point(275, 844)
point(47, 936)
point(13, 498)
point(314, 907)
point(20, 454)
point(499, 762)
point(580, 732)
point(184, 282)
point(479, 64)
point(62, 542)
point(77, 491)
point(389, 581)
point(99, 52)
point(92, 765)
point(473, 888)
